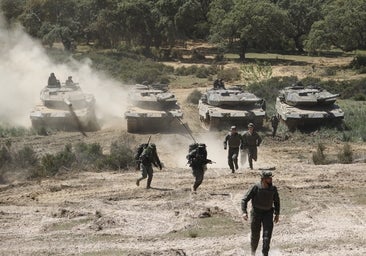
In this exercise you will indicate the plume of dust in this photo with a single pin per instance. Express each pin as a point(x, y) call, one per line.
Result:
point(24, 71)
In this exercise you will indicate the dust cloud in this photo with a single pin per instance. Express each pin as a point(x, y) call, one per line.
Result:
point(24, 71)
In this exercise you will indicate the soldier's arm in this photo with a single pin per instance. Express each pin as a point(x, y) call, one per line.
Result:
point(225, 141)
point(247, 197)
point(276, 202)
point(259, 139)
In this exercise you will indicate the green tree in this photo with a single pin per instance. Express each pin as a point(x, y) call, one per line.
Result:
point(12, 9)
point(249, 24)
point(343, 27)
point(52, 20)
point(302, 15)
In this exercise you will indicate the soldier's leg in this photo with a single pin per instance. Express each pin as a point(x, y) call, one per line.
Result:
point(198, 174)
point(254, 153)
point(143, 170)
point(267, 232)
point(230, 159)
point(235, 157)
point(150, 175)
point(250, 158)
point(255, 227)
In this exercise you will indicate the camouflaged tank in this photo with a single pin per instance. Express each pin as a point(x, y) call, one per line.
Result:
point(222, 108)
point(65, 108)
point(153, 108)
point(302, 107)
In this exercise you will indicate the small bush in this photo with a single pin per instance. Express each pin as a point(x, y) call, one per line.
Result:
point(120, 157)
point(360, 97)
point(26, 157)
point(229, 74)
point(86, 154)
point(346, 155)
point(5, 156)
point(52, 163)
point(358, 62)
point(318, 156)
point(194, 97)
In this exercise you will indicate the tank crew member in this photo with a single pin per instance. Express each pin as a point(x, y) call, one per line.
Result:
point(69, 81)
point(265, 203)
point(234, 141)
point(274, 123)
point(148, 158)
point(216, 84)
point(197, 159)
point(251, 140)
point(53, 81)
point(221, 84)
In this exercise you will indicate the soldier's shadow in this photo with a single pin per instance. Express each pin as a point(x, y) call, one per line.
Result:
point(161, 189)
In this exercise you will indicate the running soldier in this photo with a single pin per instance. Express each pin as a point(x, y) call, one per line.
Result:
point(251, 140)
point(265, 204)
point(234, 141)
point(148, 158)
point(197, 159)
point(274, 123)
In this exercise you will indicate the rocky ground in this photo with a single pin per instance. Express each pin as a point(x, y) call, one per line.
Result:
point(105, 213)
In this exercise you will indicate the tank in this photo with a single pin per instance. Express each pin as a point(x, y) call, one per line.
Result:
point(153, 108)
point(65, 108)
point(221, 107)
point(306, 107)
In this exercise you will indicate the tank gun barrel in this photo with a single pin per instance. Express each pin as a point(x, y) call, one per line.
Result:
point(68, 102)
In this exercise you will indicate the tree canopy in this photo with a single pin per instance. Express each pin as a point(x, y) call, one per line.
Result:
point(239, 25)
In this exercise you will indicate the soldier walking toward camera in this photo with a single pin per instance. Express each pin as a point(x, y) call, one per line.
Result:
point(234, 141)
point(265, 210)
point(148, 158)
point(251, 140)
point(197, 159)
point(274, 123)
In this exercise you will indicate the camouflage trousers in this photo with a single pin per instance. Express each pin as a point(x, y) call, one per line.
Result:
point(261, 218)
point(198, 173)
point(232, 158)
point(146, 171)
point(252, 155)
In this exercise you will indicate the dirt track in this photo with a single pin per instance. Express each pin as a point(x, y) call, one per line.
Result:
point(91, 213)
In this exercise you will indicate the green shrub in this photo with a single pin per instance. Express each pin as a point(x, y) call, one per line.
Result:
point(26, 157)
point(194, 97)
point(318, 156)
point(86, 154)
point(256, 72)
point(51, 164)
point(5, 156)
point(121, 156)
point(229, 74)
point(360, 97)
point(358, 62)
point(346, 154)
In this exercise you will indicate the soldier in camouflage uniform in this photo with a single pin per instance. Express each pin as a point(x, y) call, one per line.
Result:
point(265, 204)
point(197, 159)
point(274, 123)
point(148, 158)
point(251, 140)
point(234, 141)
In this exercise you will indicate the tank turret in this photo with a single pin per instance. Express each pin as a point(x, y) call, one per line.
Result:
point(64, 108)
point(221, 107)
point(302, 107)
point(153, 108)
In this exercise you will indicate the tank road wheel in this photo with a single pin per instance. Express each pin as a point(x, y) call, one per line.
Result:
point(132, 125)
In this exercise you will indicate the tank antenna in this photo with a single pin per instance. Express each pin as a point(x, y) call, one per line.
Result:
point(187, 129)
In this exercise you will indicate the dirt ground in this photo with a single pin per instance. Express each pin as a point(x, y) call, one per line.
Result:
point(323, 207)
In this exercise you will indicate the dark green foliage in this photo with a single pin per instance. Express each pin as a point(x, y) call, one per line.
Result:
point(318, 156)
point(5, 156)
point(358, 62)
point(121, 156)
point(229, 74)
point(360, 97)
point(51, 164)
point(88, 153)
point(194, 97)
point(346, 154)
point(26, 157)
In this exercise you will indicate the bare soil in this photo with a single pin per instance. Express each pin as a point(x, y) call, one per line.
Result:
point(85, 212)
